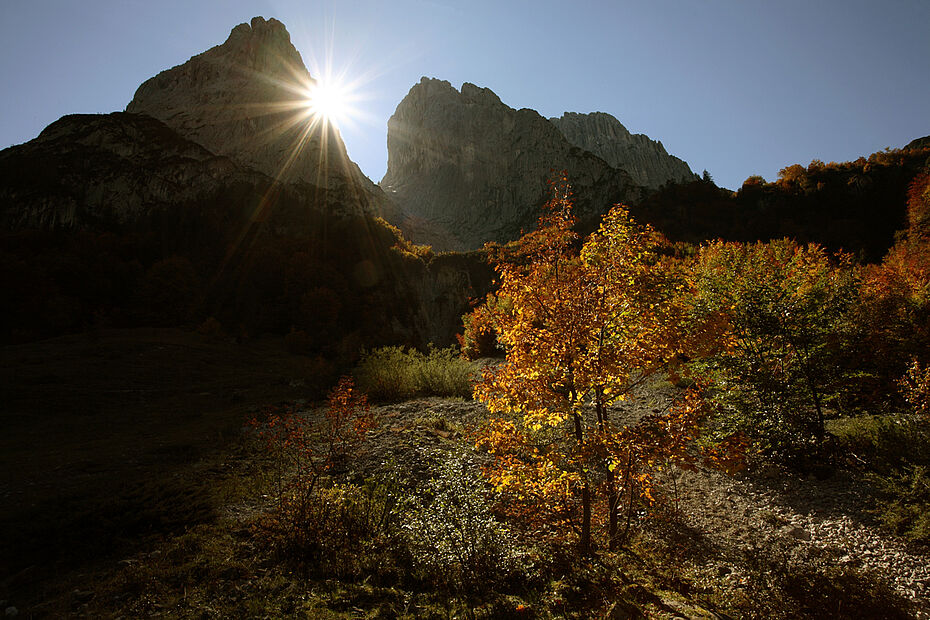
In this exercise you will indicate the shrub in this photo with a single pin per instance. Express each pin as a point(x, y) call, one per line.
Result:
point(452, 535)
point(333, 529)
point(895, 451)
point(906, 506)
point(442, 372)
point(387, 374)
point(479, 338)
point(314, 518)
point(884, 443)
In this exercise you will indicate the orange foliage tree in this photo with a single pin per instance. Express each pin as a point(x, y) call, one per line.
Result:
point(479, 339)
point(580, 330)
point(894, 310)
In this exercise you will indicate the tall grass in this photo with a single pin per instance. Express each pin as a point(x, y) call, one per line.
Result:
point(391, 374)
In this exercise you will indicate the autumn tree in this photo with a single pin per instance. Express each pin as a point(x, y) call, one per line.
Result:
point(580, 330)
point(785, 304)
point(793, 176)
point(478, 338)
point(894, 309)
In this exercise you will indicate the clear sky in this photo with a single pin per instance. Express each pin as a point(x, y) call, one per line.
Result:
point(737, 87)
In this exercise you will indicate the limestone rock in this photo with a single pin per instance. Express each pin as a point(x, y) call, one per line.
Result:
point(645, 159)
point(246, 100)
point(466, 168)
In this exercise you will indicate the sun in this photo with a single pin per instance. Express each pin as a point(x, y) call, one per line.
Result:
point(328, 102)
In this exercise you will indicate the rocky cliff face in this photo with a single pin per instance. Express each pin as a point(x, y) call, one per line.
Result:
point(645, 159)
point(247, 100)
point(466, 169)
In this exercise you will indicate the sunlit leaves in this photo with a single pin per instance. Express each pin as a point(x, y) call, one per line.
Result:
point(581, 327)
point(916, 387)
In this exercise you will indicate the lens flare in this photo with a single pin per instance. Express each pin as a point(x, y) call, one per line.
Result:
point(328, 102)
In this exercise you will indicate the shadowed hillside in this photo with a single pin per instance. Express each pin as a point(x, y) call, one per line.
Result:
point(116, 220)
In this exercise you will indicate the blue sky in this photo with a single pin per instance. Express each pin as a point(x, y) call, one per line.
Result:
point(737, 87)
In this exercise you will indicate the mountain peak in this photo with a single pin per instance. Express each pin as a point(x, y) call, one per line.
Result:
point(605, 136)
point(264, 45)
point(466, 168)
point(247, 99)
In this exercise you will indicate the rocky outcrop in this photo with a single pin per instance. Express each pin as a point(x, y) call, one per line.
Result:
point(466, 169)
point(645, 159)
point(247, 100)
point(918, 144)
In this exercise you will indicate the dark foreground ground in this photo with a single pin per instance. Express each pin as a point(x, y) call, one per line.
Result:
point(112, 440)
point(130, 489)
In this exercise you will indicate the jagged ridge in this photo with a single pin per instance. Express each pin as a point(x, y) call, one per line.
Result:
point(476, 170)
point(645, 159)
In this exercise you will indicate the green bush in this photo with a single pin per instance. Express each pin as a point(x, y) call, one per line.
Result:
point(387, 374)
point(894, 451)
point(397, 373)
point(906, 506)
point(442, 372)
point(454, 539)
point(786, 306)
point(883, 443)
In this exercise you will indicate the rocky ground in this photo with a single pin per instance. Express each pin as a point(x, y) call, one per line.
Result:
point(799, 522)
point(757, 522)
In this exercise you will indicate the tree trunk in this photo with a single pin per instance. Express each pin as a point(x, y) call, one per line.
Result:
point(613, 500)
point(584, 545)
